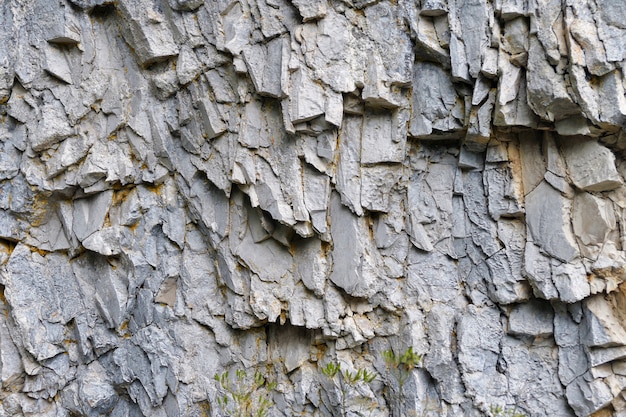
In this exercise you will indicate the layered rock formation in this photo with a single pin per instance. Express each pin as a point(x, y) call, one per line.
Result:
point(191, 187)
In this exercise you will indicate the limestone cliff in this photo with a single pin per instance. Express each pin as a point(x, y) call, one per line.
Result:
point(307, 191)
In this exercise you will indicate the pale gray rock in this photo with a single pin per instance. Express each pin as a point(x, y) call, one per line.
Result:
point(502, 197)
point(348, 176)
point(593, 219)
point(89, 213)
point(185, 4)
point(483, 229)
point(534, 318)
point(211, 120)
point(193, 187)
point(147, 30)
point(53, 127)
point(307, 97)
point(290, 346)
point(547, 93)
point(532, 161)
point(7, 55)
point(511, 105)
point(433, 8)
point(267, 66)
point(431, 206)
point(354, 256)
point(188, 66)
point(428, 39)
point(12, 369)
point(105, 241)
point(602, 326)
point(572, 126)
point(439, 360)
point(57, 64)
point(254, 253)
point(37, 309)
point(585, 398)
point(547, 214)
point(521, 361)
point(436, 105)
point(473, 20)
point(376, 183)
point(582, 157)
point(311, 10)
point(430, 287)
point(570, 280)
point(382, 139)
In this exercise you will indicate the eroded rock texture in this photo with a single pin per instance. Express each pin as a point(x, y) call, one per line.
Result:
point(190, 187)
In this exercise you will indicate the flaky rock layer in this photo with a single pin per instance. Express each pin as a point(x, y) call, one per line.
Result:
point(353, 207)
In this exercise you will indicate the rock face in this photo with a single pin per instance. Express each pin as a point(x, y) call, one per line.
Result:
point(191, 187)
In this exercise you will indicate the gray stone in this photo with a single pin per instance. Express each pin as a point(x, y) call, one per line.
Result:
point(534, 318)
point(186, 4)
point(57, 65)
point(53, 127)
point(547, 214)
point(89, 213)
point(427, 40)
point(193, 187)
point(307, 97)
point(267, 65)
point(347, 179)
point(592, 218)
point(188, 66)
point(570, 280)
point(290, 346)
point(36, 310)
point(585, 398)
point(602, 325)
point(146, 30)
point(311, 10)
point(547, 92)
point(381, 141)
point(538, 270)
point(353, 255)
point(105, 241)
point(439, 361)
point(436, 105)
point(591, 166)
point(253, 255)
point(376, 181)
point(502, 196)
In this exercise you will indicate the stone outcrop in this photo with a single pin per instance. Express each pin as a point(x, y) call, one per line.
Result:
point(192, 187)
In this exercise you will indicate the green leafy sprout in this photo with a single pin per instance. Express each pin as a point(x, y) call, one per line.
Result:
point(243, 396)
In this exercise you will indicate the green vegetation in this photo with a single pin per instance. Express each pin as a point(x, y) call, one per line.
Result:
point(498, 411)
point(244, 396)
point(251, 396)
point(344, 380)
point(400, 366)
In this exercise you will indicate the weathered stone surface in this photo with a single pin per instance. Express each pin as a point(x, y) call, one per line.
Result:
point(146, 28)
point(534, 318)
point(436, 105)
point(593, 220)
point(591, 166)
point(547, 213)
point(192, 187)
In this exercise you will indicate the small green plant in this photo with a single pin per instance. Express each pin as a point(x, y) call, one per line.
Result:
point(400, 366)
point(243, 396)
point(360, 375)
point(331, 369)
point(498, 411)
point(346, 379)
